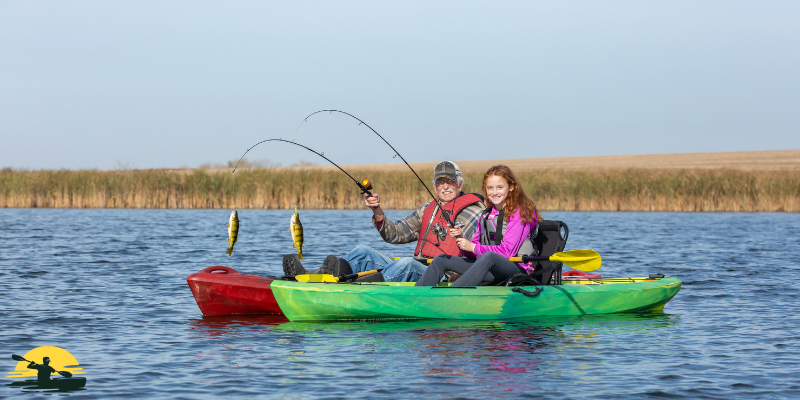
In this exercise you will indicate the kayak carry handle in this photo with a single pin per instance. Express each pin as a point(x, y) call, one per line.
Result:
point(213, 269)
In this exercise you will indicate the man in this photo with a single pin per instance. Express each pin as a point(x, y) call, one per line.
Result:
point(426, 226)
point(43, 370)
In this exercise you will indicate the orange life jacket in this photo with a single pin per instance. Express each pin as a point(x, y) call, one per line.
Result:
point(431, 244)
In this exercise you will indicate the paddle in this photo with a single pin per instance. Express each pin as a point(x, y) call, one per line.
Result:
point(333, 279)
point(65, 374)
point(581, 260)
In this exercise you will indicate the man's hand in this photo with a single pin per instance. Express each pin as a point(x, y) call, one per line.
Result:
point(374, 203)
point(455, 232)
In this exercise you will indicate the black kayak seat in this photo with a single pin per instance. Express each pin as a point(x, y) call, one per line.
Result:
point(547, 242)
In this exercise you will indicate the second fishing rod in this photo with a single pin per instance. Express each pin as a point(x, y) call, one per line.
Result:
point(445, 214)
point(365, 185)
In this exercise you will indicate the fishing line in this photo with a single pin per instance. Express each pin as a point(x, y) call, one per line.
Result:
point(445, 214)
point(364, 185)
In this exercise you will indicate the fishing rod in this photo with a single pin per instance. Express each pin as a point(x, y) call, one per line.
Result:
point(445, 214)
point(364, 185)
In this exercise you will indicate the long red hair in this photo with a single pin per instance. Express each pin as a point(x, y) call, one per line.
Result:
point(516, 197)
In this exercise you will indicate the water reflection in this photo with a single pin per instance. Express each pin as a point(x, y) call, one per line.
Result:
point(610, 321)
point(222, 325)
point(450, 351)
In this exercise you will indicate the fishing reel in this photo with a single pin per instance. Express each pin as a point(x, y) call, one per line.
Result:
point(439, 230)
point(366, 186)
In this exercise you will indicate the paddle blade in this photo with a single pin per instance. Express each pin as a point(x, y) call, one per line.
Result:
point(65, 374)
point(581, 260)
point(17, 358)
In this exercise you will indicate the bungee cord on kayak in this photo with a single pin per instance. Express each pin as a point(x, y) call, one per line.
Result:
point(445, 214)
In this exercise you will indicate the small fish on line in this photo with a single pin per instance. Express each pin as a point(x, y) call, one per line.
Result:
point(297, 233)
point(233, 230)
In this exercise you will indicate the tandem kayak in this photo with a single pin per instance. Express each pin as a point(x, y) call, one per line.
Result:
point(301, 301)
point(221, 290)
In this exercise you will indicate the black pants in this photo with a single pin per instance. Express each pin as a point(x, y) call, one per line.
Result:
point(490, 267)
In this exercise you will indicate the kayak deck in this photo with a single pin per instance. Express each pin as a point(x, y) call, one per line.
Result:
point(386, 300)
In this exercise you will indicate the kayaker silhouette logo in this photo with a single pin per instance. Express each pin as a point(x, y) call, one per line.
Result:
point(41, 364)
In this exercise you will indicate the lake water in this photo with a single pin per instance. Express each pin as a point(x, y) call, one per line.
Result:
point(109, 286)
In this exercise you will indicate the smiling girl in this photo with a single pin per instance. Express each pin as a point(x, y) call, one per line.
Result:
point(504, 231)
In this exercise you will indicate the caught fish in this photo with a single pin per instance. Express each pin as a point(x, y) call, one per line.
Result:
point(297, 233)
point(233, 230)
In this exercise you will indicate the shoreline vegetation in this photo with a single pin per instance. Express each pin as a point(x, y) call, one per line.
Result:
point(589, 189)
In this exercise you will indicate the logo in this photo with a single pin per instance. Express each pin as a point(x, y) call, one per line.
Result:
point(47, 368)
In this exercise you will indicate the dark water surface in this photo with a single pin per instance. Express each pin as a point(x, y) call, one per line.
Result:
point(110, 287)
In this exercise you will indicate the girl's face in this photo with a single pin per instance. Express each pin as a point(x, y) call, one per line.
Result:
point(497, 189)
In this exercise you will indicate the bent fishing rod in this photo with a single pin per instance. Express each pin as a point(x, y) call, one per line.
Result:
point(364, 185)
point(445, 214)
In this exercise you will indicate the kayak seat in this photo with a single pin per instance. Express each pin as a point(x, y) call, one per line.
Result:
point(547, 242)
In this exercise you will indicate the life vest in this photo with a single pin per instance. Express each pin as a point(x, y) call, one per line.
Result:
point(434, 238)
point(493, 236)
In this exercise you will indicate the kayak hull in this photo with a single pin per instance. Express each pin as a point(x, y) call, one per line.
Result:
point(64, 384)
point(330, 301)
point(221, 290)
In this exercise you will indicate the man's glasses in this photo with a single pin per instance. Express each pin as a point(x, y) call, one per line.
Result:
point(442, 182)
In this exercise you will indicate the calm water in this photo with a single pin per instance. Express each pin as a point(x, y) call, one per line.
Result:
point(110, 287)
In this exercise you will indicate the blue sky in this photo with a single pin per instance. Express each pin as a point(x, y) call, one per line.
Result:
point(148, 84)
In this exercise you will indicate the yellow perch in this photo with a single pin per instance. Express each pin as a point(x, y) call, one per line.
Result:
point(297, 233)
point(233, 230)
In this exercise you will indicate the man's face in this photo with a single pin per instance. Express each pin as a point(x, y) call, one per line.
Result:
point(446, 188)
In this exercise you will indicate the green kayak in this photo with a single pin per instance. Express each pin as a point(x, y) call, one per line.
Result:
point(306, 301)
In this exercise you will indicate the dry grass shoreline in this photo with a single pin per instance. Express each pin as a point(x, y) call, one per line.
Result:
point(776, 160)
point(629, 189)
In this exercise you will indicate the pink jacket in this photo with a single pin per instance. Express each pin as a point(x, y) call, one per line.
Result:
point(516, 233)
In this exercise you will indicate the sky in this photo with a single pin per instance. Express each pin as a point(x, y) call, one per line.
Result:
point(154, 84)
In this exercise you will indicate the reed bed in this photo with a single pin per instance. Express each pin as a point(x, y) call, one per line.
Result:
point(312, 188)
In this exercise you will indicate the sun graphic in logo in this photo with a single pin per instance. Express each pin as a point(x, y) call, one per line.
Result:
point(60, 360)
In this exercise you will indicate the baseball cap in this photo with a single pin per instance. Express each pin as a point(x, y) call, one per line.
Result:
point(447, 169)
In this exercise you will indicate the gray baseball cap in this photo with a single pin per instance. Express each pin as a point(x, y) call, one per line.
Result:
point(447, 169)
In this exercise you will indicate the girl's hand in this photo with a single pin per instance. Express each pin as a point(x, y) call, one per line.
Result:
point(465, 244)
point(455, 232)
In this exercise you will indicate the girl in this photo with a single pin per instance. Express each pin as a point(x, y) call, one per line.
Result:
point(502, 233)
